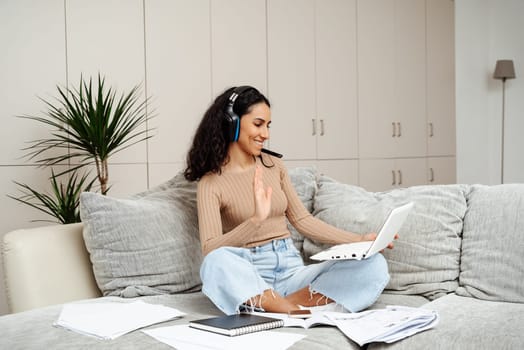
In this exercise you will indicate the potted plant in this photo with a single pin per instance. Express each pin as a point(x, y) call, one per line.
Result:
point(88, 125)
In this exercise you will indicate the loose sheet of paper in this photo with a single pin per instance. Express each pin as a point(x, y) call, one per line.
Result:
point(183, 337)
point(109, 320)
point(317, 318)
point(384, 325)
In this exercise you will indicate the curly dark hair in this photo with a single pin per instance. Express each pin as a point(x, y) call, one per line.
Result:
point(208, 153)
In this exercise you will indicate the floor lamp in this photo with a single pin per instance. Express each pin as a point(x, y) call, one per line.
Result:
point(503, 70)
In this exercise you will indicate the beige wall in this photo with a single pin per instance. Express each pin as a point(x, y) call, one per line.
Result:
point(488, 30)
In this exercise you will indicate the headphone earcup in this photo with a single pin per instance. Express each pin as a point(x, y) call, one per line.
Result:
point(233, 124)
point(233, 120)
point(235, 129)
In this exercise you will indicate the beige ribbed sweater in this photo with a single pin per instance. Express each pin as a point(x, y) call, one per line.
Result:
point(226, 203)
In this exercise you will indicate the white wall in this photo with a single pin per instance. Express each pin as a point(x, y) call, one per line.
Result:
point(488, 30)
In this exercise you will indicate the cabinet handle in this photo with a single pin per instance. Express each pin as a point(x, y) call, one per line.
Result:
point(399, 130)
point(394, 179)
point(430, 129)
point(393, 129)
point(321, 127)
point(399, 177)
point(314, 126)
point(431, 175)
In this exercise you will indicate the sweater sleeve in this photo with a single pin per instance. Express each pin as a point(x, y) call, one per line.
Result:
point(306, 223)
point(210, 221)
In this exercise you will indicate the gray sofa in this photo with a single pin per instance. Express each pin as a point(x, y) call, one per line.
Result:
point(459, 252)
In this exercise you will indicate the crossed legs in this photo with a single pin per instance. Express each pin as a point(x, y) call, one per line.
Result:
point(230, 279)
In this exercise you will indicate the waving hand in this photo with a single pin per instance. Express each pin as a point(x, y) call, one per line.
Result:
point(262, 196)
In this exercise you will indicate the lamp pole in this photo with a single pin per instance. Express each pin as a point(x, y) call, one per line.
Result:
point(504, 69)
point(502, 131)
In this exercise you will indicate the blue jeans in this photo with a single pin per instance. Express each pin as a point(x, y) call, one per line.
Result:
point(231, 276)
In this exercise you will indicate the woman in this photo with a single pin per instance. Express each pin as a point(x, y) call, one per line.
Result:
point(244, 197)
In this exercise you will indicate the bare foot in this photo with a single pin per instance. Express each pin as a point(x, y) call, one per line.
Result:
point(305, 298)
point(271, 301)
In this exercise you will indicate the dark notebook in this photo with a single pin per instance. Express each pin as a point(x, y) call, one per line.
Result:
point(237, 324)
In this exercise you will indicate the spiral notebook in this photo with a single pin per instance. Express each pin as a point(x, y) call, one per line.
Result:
point(237, 324)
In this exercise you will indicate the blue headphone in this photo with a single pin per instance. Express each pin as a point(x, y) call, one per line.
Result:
point(233, 120)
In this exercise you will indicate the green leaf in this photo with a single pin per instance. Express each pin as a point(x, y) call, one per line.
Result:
point(64, 200)
point(90, 123)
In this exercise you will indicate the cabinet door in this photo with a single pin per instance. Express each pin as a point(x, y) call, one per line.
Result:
point(97, 43)
point(391, 51)
point(376, 83)
point(440, 78)
point(410, 78)
point(386, 174)
point(411, 172)
point(377, 174)
point(442, 170)
point(238, 56)
point(178, 74)
point(345, 171)
point(336, 79)
point(33, 61)
point(291, 79)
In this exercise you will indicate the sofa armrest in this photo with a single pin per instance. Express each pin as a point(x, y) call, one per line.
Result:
point(46, 265)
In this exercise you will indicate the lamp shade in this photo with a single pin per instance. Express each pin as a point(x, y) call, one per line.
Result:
point(504, 70)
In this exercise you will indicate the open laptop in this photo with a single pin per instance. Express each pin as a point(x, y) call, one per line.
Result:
point(363, 250)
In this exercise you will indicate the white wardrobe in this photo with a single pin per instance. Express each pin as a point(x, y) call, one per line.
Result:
point(364, 89)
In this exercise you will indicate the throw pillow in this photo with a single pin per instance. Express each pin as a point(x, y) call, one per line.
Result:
point(492, 245)
point(144, 245)
point(425, 259)
point(304, 180)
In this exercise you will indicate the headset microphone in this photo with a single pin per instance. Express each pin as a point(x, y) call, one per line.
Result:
point(274, 154)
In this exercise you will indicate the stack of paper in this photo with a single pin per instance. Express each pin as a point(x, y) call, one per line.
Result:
point(109, 320)
point(384, 325)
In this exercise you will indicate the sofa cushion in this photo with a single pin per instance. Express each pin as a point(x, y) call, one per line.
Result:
point(493, 244)
point(467, 323)
point(144, 245)
point(304, 180)
point(425, 259)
